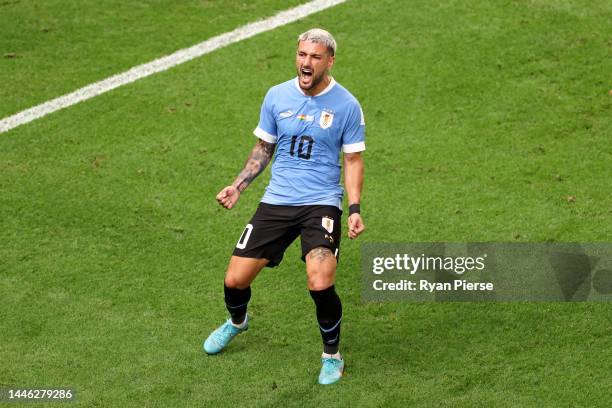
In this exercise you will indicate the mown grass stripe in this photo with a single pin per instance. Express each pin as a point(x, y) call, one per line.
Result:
point(165, 63)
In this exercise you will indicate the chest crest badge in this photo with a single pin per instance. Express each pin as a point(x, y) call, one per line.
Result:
point(326, 119)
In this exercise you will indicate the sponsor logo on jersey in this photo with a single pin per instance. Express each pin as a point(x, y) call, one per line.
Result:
point(326, 119)
point(285, 114)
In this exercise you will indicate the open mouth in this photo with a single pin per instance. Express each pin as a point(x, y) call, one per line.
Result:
point(306, 73)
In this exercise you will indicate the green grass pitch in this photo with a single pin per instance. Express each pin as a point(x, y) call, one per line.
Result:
point(486, 121)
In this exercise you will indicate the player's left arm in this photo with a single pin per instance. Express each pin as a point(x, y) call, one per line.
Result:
point(353, 183)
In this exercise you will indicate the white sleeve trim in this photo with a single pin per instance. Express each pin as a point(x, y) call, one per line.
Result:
point(353, 147)
point(263, 135)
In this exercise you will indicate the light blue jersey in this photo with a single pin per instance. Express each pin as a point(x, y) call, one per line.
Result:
point(309, 132)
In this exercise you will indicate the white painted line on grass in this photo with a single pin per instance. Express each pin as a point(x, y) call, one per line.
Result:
point(164, 63)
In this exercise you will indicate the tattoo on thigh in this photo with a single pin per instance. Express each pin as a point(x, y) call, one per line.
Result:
point(320, 253)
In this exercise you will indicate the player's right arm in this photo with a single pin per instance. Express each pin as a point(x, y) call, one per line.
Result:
point(256, 163)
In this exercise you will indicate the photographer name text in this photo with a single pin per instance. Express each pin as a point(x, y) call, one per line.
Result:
point(431, 287)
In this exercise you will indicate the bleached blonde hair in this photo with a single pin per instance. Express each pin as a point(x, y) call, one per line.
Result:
point(318, 35)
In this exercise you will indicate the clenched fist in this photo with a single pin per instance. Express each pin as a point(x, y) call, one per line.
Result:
point(228, 197)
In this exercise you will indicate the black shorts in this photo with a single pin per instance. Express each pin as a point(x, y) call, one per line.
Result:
point(274, 227)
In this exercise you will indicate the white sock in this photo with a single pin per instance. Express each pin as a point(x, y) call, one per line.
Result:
point(337, 356)
point(241, 325)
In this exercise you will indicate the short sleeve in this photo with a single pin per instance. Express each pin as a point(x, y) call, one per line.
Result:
point(353, 137)
point(266, 129)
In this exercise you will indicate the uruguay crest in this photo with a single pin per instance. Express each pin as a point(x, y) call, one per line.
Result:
point(326, 119)
point(328, 224)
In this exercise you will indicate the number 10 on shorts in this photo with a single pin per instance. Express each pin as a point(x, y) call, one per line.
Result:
point(244, 238)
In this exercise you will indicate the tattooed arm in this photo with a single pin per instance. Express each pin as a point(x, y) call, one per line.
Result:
point(256, 163)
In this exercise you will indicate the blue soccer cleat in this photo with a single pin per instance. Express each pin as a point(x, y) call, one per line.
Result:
point(331, 371)
point(220, 338)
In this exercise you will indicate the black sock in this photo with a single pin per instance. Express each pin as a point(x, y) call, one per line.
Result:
point(329, 316)
point(236, 301)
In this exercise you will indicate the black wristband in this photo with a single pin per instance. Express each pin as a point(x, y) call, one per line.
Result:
point(354, 209)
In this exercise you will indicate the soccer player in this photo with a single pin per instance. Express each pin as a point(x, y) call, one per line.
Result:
point(304, 123)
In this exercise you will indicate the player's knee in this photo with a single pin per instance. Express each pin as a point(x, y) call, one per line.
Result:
point(321, 281)
point(320, 268)
point(232, 281)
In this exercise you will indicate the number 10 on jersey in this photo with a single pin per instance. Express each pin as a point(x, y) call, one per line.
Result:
point(304, 148)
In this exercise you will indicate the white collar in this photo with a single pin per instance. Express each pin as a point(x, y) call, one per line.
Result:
point(326, 90)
